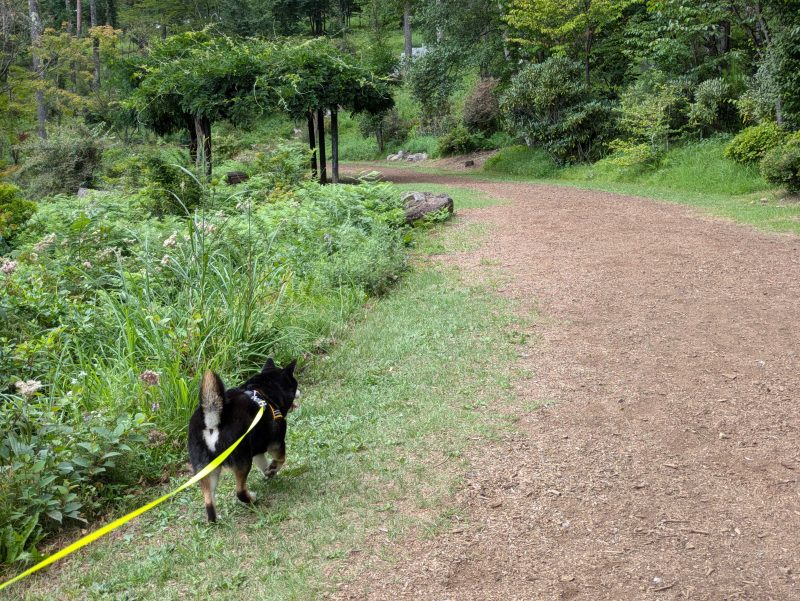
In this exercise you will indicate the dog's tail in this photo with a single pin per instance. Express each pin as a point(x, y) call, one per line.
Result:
point(212, 396)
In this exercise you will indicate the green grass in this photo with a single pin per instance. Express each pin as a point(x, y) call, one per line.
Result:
point(694, 174)
point(374, 452)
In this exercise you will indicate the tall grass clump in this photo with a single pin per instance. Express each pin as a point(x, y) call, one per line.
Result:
point(111, 313)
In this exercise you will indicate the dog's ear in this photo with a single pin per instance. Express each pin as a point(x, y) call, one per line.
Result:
point(270, 364)
point(289, 369)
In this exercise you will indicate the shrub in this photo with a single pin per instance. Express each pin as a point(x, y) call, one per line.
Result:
point(551, 105)
point(60, 468)
point(171, 187)
point(752, 143)
point(64, 162)
point(651, 111)
point(459, 140)
point(781, 165)
point(712, 108)
point(482, 109)
point(14, 213)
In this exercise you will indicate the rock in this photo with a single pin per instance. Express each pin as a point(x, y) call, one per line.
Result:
point(396, 157)
point(469, 163)
point(417, 157)
point(419, 204)
point(236, 177)
point(83, 192)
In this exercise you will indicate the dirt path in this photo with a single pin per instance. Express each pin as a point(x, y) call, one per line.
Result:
point(667, 465)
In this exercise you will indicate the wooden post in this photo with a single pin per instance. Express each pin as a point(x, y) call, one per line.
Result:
point(323, 167)
point(335, 144)
point(312, 143)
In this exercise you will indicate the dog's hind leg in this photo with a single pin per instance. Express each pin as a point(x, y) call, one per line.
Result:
point(262, 463)
point(208, 486)
point(278, 453)
point(242, 493)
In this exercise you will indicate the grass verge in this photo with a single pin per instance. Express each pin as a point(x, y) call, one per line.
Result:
point(374, 452)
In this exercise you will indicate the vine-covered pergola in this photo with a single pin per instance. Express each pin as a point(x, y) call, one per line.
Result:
point(191, 80)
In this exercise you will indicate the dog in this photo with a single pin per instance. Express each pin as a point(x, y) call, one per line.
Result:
point(224, 415)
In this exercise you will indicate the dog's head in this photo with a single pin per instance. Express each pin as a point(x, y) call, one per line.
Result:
point(278, 384)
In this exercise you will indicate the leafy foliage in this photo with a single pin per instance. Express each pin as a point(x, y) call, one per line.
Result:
point(103, 293)
point(64, 162)
point(752, 143)
point(14, 213)
point(781, 165)
point(482, 108)
point(551, 105)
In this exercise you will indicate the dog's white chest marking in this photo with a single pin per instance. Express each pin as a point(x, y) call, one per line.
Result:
point(211, 432)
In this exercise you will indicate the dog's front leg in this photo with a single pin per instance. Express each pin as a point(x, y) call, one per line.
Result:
point(262, 463)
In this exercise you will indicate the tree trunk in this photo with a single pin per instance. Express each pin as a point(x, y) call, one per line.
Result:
point(312, 144)
point(409, 49)
point(78, 17)
point(95, 45)
point(335, 144)
point(190, 126)
point(323, 167)
point(36, 43)
point(439, 30)
point(203, 127)
point(68, 6)
point(111, 13)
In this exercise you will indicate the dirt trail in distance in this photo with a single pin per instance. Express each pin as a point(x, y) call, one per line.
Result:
point(665, 463)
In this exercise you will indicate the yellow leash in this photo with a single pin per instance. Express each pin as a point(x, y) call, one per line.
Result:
point(89, 538)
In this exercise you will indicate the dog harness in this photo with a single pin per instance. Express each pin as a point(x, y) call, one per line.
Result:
point(262, 402)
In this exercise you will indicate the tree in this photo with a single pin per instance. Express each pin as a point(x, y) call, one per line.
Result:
point(314, 77)
point(191, 80)
point(36, 42)
point(551, 105)
point(559, 24)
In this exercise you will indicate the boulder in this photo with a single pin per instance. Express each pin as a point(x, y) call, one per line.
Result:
point(419, 204)
point(83, 192)
point(236, 177)
point(397, 157)
point(469, 163)
point(417, 157)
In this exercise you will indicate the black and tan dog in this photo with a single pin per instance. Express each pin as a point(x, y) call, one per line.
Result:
point(224, 415)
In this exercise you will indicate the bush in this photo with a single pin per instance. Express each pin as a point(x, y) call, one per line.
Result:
point(14, 213)
point(482, 109)
point(459, 140)
point(64, 162)
point(752, 143)
point(59, 470)
point(551, 105)
point(781, 165)
point(651, 112)
point(712, 108)
point(171, 187)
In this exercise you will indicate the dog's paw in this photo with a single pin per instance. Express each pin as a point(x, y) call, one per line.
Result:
point(246, 497)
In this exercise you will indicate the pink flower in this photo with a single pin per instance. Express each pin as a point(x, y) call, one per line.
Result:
point(172, 241)
point(45, 242)
point(87, 264)
point(150, 378)
point(28, 388)
point(165, 260)
point(8, 267)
